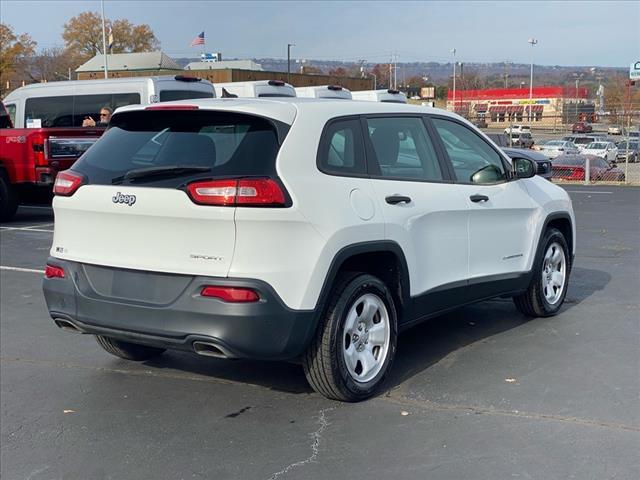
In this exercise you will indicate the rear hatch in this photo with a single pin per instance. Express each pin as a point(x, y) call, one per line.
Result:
point(159, 190)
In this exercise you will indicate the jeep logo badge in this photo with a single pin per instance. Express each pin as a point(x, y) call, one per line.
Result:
point(121, 198)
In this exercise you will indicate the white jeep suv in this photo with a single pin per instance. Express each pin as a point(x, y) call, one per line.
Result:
point(303, 229)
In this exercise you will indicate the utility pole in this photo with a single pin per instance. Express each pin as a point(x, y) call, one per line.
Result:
point(532, 42)
point(289, 45)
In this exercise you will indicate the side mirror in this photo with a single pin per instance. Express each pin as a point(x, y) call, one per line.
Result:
point(524, 168)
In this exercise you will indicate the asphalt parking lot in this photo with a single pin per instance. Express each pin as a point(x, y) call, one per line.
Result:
point(480, 393)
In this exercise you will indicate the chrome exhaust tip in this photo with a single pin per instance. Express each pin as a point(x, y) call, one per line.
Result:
point(66, 325)
point(208, 349)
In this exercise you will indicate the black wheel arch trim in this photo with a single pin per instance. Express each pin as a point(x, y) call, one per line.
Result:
point(350, 251)
point(570, 241)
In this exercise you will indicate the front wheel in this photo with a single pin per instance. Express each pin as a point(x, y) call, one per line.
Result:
point(548, 287)
point(354, 346)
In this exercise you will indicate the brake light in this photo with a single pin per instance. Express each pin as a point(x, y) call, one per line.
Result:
point(231, 294)
point(247, 192)
point(67, 182)
point(173, 107)
point(51, 271)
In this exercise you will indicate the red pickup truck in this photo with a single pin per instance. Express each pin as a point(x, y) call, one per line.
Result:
point(30, 159)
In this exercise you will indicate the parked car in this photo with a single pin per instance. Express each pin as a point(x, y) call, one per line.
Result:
point(573, 167)
point(517, 129)
point(628, 148)
point(580, 141)
point(581, 127)
point(633, 134)
point(606, 150)
point(521, 140)
point(500, 139)
point(544, 164)
point(553, 148)
point(614, 130)
point(480, 123)
point(306, 229)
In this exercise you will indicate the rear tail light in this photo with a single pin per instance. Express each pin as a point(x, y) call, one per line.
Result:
point(67, 182)
point(249, 192)
point(54, 272)
point(231, 294)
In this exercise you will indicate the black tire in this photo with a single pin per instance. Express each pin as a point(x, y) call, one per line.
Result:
point(126, 350)
point(8, 198)
point(323, 362)
point(533, 302)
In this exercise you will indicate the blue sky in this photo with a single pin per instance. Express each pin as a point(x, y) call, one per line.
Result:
point(589, 33)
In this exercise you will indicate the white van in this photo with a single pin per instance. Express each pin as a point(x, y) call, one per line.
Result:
point(66, 104)
point(255, 89)
point(324, 91)
point(387, 96)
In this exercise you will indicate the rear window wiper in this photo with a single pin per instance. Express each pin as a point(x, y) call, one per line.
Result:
point(159, 171)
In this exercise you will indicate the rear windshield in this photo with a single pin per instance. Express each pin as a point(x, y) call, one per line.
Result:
point(583, 140)
point(216, 144)
point(171, 95)
point(569, 160)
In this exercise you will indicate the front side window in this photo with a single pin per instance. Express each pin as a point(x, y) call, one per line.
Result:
point(341, 149)
point(473, 159)
point(403, 149)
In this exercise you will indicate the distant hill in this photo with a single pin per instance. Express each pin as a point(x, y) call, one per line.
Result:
point(479, 75)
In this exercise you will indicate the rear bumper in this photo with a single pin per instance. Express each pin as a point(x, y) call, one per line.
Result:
point(166, 310)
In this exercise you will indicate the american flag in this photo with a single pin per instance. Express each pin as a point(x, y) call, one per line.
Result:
point(199, 40)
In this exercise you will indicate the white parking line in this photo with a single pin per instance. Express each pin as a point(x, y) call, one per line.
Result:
point(18, 269)
point(27, 229)
point(586, 192)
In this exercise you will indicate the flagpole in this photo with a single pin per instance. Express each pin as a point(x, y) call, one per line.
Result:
point(104, 43)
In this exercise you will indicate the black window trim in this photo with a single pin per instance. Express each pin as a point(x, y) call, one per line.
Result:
point(506, 165)
point(324, 139)
point(370, 153)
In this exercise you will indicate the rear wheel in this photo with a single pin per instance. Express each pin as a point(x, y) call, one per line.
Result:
point(356, 340)
point(548, 287)
point(8, 198)
point(126, 350)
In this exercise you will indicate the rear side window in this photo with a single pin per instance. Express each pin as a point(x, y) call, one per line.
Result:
point(71, 110)
point(171, 95)
point(341, 149)
point(204, 144)
point(473, 159)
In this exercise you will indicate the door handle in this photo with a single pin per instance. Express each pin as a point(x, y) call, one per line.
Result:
point(395, 199)
point(479, 198)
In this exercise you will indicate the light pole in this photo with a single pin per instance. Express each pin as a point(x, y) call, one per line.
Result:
point(532, 42)
point(289, 45)
point(375, 80)
point(454, 78)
